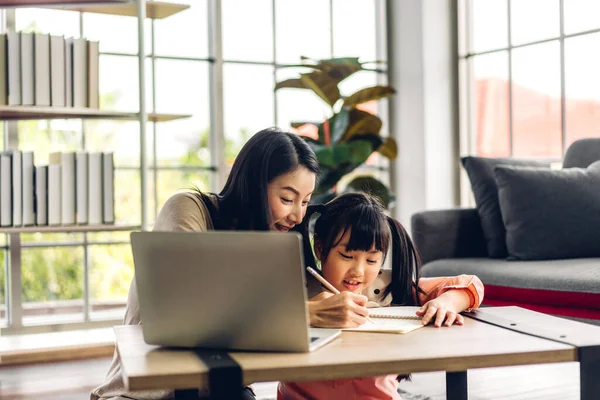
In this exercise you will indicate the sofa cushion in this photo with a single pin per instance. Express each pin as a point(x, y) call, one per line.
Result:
point(550, 214)
point(485, 191)
point(561, 283)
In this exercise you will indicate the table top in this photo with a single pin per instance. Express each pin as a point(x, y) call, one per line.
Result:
point(355, 354)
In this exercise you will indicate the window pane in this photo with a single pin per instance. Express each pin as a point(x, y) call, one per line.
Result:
point(39, 237)
point(52, 285)
point(247, 39)
point(46, 136)
point(248, 104)
point(298, 104)
point(184, 34)
point(536, 101)
point(119, 84)
point(182, 87)
point(490, 104)
point(545, 13)
point(582, 86)
point(354, 29)
point(173, 181)
point(581, 15)
point(120, 137)
point(127, 196)
point(302, 29)
point(116, 34)
point(47, 21)
point(111, 272)
point(489, 24)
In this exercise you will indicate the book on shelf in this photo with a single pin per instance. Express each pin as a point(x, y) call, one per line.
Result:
point(57, 71)
point(3, 70)
point(27, 70)
point(17, 188)
point(66, 160)
point(108, 188)
point(41, 195)
point(54, 194)
point(80, 73)
point(42, 69)
point(13, 45)
point(81, 177)
point(69, 72)
point(6, 188)
point(95, 184)
point(93, 74)
point(28, 180)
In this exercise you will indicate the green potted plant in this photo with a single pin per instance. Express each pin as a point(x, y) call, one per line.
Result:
point(349, 137)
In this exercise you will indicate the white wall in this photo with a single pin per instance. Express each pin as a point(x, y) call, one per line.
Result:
point(423, 115)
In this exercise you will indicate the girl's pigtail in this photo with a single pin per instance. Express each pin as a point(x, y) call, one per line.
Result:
point(406, 264)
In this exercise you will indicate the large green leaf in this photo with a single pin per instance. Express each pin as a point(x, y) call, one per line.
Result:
point(340, 68)
point(362, 122)
point(338, 124)
point(368, 94)
point(295, 83)
point(323, 85)
point(355, 152)
point(372, 186)
point(388, 148)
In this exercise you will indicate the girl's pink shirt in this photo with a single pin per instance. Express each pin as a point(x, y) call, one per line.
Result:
point(379, 387)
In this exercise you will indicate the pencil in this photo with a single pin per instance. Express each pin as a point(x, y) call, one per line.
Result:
point(328, 285)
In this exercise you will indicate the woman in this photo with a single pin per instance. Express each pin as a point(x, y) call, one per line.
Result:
point(269, 188)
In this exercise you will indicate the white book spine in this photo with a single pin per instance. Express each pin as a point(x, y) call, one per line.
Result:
point(81, 172)
point(57, 71)
point(80, 73)
point(17, 188)
point(6, 189)
point(54, 194)
point(42, 69)
point(27, 70)
point(68, 188)
point(14, 68)
point(28, 188)
point(95, 189)
point(108, 192)
point(3, 70)
point(69, 72)
point(93, 74)
point(41, 195)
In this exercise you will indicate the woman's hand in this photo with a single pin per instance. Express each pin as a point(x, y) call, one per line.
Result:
point(444, 310)
point(343, 310)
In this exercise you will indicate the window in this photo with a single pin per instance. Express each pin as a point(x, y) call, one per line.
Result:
point(529, 89)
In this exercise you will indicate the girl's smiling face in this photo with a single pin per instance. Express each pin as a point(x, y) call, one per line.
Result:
point(351, 271)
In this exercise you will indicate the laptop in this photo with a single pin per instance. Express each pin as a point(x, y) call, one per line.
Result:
point(224, 290)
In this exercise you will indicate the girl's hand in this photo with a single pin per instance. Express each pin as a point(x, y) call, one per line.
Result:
point(445, 309)
point(343, 310)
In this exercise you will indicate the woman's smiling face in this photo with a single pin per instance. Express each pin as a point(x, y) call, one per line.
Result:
point(288, 196)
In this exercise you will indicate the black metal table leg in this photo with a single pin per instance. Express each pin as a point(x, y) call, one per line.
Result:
point(187, 394)
point(456, 386)
point(589, 372)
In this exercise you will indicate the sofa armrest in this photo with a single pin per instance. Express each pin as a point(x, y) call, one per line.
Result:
point(454, 233)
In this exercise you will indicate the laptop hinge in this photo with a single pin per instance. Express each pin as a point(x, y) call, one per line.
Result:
point(225, 379)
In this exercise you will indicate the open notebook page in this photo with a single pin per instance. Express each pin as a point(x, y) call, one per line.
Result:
point(391, 320)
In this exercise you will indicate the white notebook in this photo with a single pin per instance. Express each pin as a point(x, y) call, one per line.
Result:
point(391, 320)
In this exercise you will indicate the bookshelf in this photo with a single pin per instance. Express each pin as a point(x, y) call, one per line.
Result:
point(71, 228)
point(141, 10)
point(8, 113)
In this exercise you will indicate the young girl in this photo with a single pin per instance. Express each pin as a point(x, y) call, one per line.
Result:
point(352, 237)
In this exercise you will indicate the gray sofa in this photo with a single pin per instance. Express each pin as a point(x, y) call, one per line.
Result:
point(452, 242)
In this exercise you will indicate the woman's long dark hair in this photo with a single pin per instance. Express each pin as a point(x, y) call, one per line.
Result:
point(243, 202)
point(369, 227)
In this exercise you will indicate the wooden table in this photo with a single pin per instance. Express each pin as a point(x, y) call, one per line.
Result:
point(509, 336)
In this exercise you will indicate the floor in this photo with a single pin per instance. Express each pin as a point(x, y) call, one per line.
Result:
point(74, 380)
